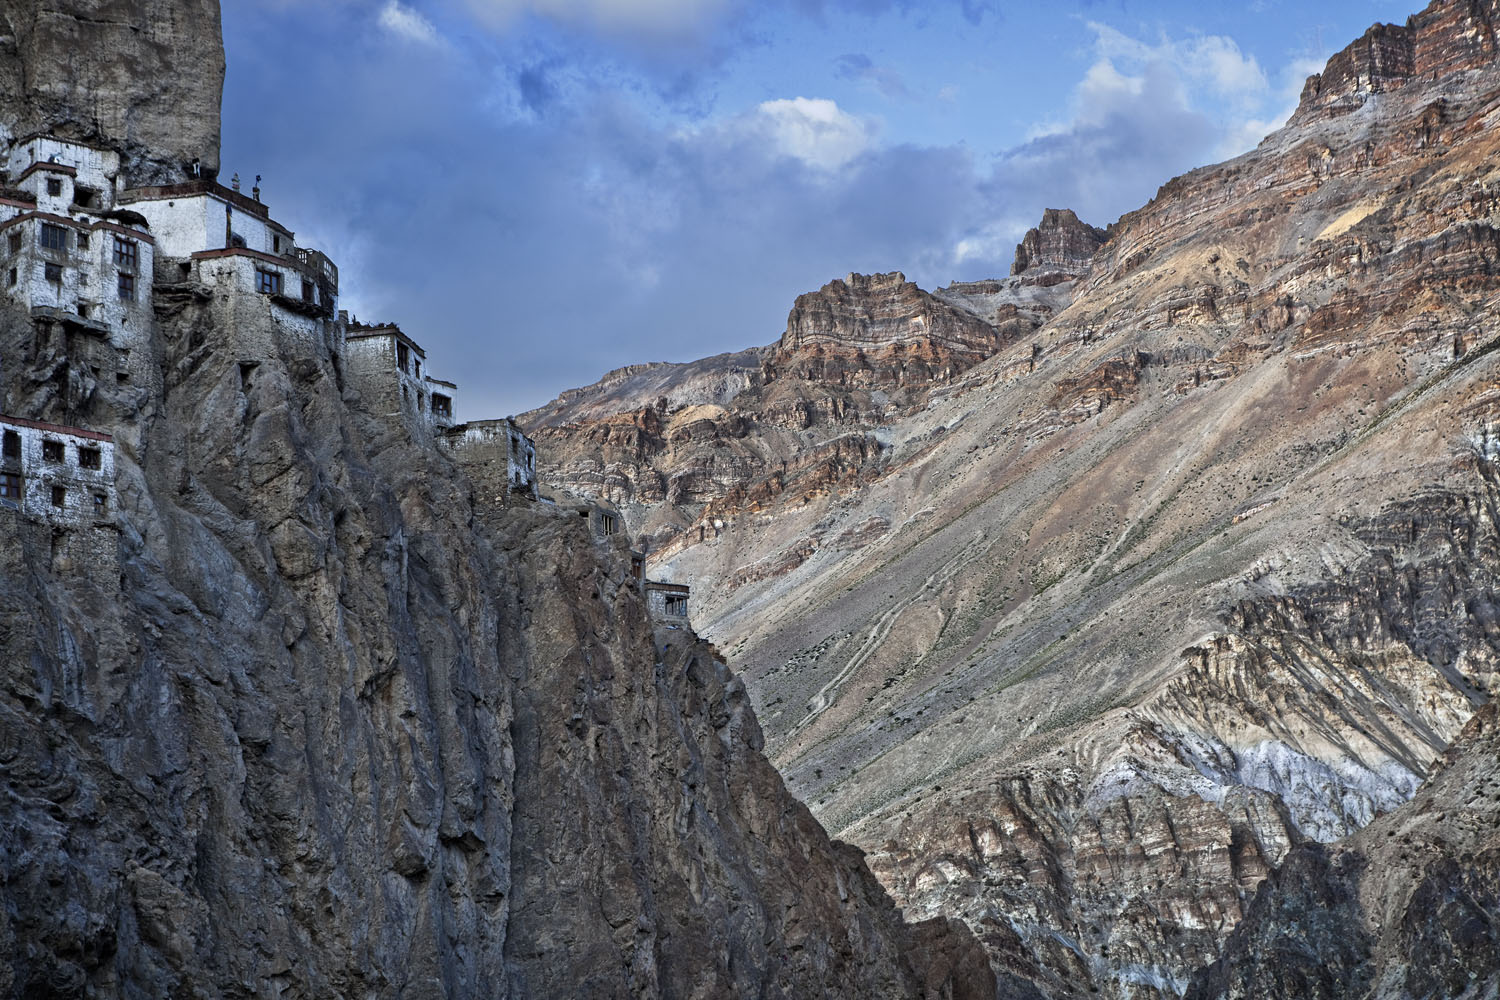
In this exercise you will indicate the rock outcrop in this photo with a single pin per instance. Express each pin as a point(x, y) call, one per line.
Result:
point(1405, 908)
point(1062, 248)
point(878, 331)
point(144, 78)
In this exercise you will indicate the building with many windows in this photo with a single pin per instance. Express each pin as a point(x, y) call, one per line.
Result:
point(70, 255)
point(64, 476)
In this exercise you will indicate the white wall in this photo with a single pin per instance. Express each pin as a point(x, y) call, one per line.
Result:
point(82, 485)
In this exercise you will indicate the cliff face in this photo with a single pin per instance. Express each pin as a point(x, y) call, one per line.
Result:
point(1405, 908)
point(681, 445)
point(337, 726)
point(144, 77)
point(1060, 249)
point(316, 720)
point(1199, 571)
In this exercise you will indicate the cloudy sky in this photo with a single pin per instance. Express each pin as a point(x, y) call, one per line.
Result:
point(541, 190)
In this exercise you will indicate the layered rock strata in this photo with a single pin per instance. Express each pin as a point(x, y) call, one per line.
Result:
point(1405, 908)
point(1197, 572)
point(1060, 249)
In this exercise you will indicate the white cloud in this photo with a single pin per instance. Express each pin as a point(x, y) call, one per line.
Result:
point(815, 131)
point(1211, 61)
point(406, 23)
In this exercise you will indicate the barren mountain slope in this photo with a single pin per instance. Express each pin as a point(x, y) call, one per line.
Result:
point(1201, 569)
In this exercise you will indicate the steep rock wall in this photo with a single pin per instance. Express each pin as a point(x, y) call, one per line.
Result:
point(144, 77)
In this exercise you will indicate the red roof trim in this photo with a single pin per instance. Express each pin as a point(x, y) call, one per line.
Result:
point(51, 168)
point(63, 220)
point(57, 429)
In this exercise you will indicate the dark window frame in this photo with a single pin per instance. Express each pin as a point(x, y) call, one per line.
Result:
point(90, 458)
point(53, 451)
point(127, 253)
point(59, 496)
point(12, 486)
point(125, 286)
point(52, 271)
point(267, 282)
point(51, 236)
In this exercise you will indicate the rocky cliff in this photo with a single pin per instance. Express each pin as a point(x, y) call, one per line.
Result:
point(1059, 249)
point(315, 719)
point(1405, 908)
point(1197, 572)
point(144, 77)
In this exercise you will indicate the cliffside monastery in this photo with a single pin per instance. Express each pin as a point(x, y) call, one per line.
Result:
point(84, 255)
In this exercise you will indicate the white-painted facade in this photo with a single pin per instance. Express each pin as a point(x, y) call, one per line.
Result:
point(65, 253)
point(667, 601)
point(390, 371)
point(204, 219)
point(64, 476)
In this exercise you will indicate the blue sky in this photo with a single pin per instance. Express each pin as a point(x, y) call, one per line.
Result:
point(541, 190)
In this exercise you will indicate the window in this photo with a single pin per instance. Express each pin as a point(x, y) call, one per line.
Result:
point(677, 606)
point(54, 237)
point(83, 241)
point(403, 357)
point(127, 254)
point(607, 523)
point(59, 496)
point(12, 447)
point(15, 242)
point(54, 187)
point(88, 458)
point(268, 282)
point(126, 283)
point(52, 451)
point(53, 272)
point(10, 486)
point(442, 405)
point(83, 197)
point(276, 244)
point(307, 290)
point(417, 368)
point(101, 503)
point(83, 310)
point(12, 277)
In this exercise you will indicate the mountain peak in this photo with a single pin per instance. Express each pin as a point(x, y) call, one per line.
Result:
point(1061, 244)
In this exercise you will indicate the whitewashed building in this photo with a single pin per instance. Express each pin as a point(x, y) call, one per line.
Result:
point(64, 476)
point(69, 255)
point(668, 602)
point(220, 237)
point(390, 370)
point(498, 457)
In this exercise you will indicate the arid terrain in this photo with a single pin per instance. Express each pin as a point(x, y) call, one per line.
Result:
point(1084, 598)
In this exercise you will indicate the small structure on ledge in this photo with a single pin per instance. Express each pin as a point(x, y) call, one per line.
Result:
point(668, 602)
point(64, 476)
point(387, 367)
point(498, 457)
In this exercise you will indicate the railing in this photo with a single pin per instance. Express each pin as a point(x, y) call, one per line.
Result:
point(318, 262)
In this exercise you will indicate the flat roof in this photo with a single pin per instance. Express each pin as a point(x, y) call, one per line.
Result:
point(42, 425)
point(199, 188)
point(671, 588)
